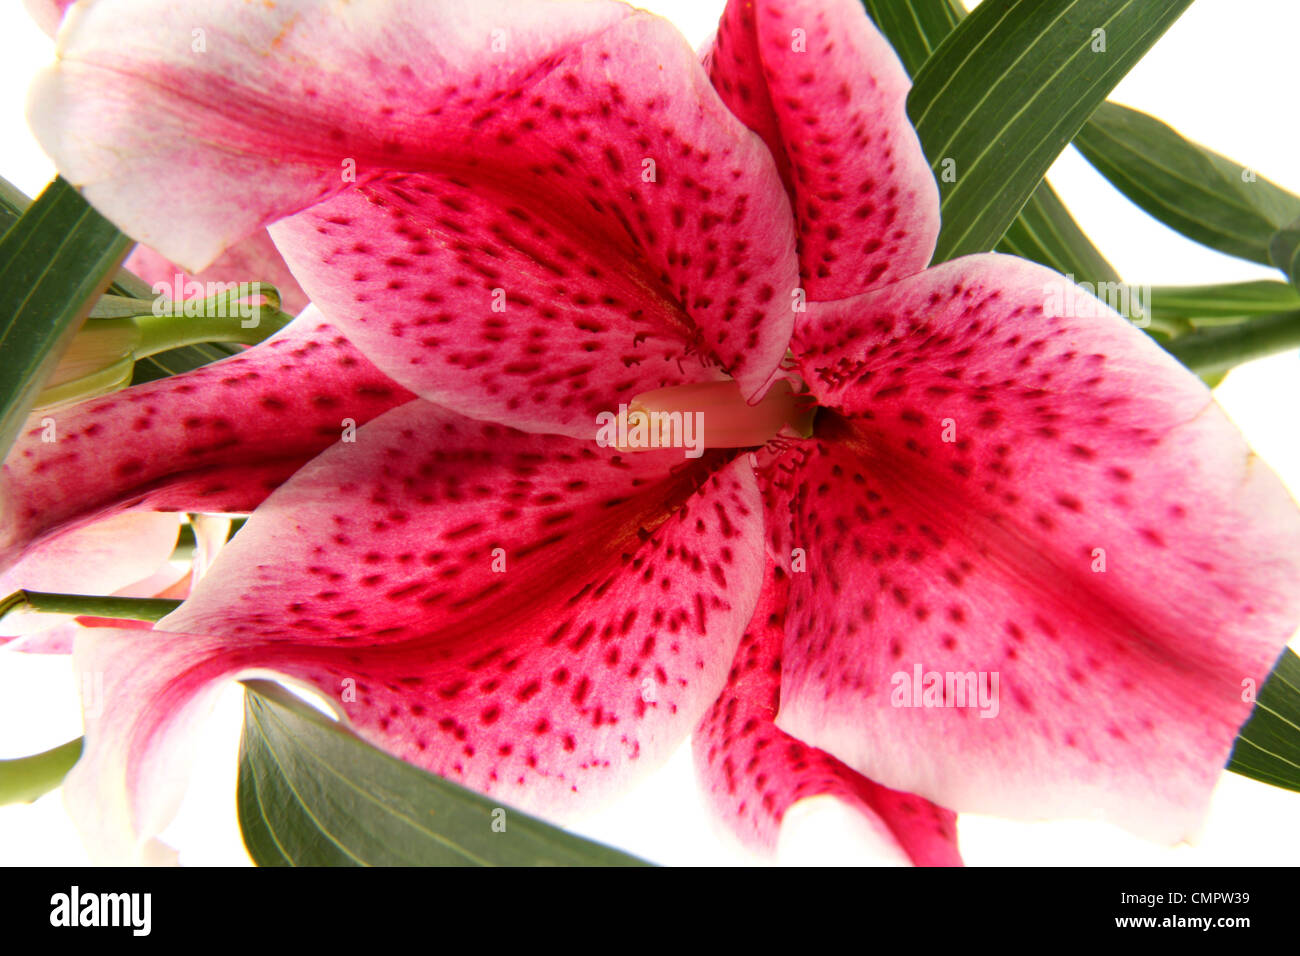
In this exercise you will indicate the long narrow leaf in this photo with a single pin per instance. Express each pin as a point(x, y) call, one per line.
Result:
point(183, 359)
point(1224, 301)
point(1284, 251)
point(915, 28)
point(1210, 351)
point(14, 202)
point(1044, 231)
point(1008, 89)
point(54, 263)
point(1268, 747)
point(311, 793)
point(1205, 196)
point(25, 779)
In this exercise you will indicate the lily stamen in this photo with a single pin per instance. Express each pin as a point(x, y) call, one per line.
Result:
point(705, 415)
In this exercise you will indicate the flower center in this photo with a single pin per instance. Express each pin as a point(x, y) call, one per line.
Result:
point(711, 415)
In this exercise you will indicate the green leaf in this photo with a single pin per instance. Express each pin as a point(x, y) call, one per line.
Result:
point(1284, 251)
point(13, 203)
point(1216, 349)
point(126, 286)
point(184, 359)
point(1229, 301)
point(1044, 231)
point(914, 28)
point(1268, 747)
point(27, 778)
point(1008, 89)
point(312, 793)
point(1186, 186)
point(1178, 311)
point(54, 263)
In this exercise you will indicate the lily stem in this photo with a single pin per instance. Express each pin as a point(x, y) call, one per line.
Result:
point(1219, 349)
point(89, 605)
point(160, 333)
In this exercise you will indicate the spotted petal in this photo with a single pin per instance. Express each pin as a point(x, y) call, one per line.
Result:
point(560, 214)
point(1013, 483)
point(532, 616)
point(755, 775)
point(828, 95)
point(216, 439)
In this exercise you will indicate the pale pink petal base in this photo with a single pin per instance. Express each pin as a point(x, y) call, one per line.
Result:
point(47, 13)
point(140, 724)
point(99, 558)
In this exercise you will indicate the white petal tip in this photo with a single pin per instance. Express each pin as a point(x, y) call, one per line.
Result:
point(826, 831)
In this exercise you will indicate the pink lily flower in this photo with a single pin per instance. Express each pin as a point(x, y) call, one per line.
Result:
point(1047, 501)
point(994, 489)
point(588, 714)
point(613, 625)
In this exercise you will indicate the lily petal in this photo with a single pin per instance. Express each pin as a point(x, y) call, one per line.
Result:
point(826, 92)
point(254, 259)
point(552, 140)
point(535, 277)
point(216, 439)
point(755, 775)
point(548, 672)
point(99, 558)
point(1018, 485)
point(48, 14)
point(135, 761)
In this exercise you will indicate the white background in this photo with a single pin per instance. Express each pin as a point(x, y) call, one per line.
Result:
point(1223, 76)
